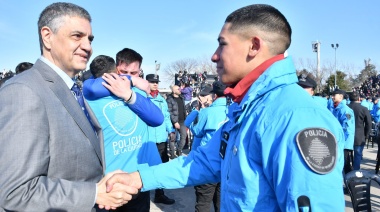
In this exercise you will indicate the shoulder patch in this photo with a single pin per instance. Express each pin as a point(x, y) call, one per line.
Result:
point(348, 116)
point(318, 148)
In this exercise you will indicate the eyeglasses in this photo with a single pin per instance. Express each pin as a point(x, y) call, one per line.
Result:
point(153, 82)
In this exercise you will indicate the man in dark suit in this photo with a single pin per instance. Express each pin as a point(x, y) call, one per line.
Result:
point(51, 153)
point(363, 124)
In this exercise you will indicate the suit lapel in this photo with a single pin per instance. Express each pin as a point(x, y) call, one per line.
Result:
point(60, 89)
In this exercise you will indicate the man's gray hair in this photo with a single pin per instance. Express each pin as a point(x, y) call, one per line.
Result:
point(53, 16)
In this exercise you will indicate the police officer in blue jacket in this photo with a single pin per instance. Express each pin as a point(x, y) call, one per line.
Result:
point(309, 85)
point(346, 118)
point(208, 121)
point(267, 156)
point(204, 101)
point(159, 134)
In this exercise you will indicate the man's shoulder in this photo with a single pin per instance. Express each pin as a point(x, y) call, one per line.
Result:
point(28, 78)
point(356, 105)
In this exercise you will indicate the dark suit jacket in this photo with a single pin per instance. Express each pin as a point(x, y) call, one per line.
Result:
point(363, 122)
point(50, 156)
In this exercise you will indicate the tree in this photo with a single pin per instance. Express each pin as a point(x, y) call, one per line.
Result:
point(192, 66)
point(310, 66)
point(341, 82)
point(368, 71)
point(189, 65)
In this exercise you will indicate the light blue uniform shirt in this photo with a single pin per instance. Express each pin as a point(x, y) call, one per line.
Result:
point(262, 168)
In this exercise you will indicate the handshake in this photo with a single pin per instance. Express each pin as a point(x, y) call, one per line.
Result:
point(117, 188)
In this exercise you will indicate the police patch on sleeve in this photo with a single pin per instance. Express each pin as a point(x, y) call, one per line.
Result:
point(318, 148)
point(348, 116)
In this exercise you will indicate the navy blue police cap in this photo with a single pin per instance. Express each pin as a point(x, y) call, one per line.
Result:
point(339, 91)
point(306, 82)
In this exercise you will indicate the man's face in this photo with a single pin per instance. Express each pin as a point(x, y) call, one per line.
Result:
point(133, 69)
point(70, 48)
point(206, 100)
point(337, 98)
point(176, 90)
point(153, 86)
point(230, 56)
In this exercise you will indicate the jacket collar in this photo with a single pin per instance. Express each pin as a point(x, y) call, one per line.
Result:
point(238, 92)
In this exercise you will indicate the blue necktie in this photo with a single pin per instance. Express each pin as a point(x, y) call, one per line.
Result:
point(79, 97)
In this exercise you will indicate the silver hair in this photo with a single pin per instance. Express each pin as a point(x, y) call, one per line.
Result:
point(53, 16)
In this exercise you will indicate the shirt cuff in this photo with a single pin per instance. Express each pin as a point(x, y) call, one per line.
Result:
point(147, 179)
point(96, 193)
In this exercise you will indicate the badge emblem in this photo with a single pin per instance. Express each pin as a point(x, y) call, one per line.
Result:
point(318, 148)
point(122, 120)
point(303, 77)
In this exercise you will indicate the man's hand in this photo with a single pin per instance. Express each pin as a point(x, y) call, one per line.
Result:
point(177, 126)
point(172, 136)
point(118, 85)
point(129, 179)
point(119, 195)
point(141, 84)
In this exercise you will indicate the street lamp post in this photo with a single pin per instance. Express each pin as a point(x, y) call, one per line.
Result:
point(157, 67)
point(335, 47)
point(316, 48)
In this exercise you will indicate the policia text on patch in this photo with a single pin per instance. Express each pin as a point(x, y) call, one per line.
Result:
point(318, 148)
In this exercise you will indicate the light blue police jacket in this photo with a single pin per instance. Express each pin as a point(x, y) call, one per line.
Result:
point(262, 168)
point(365, 103)
point(322, 101)
point(126, 143)
point(346, 118)
point(330, 104)
point(190, 119)
point(160, 133)
point(209, 120)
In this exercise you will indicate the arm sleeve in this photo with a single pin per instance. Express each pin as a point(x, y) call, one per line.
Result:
point(173, 118)
point(147, 111)
point(167, 122)
point(199, 167)
point(93, 88)
point(142, 106)
point(199, 129)
point(348, 124)
point(286, 170)
point(191, 117)
point(24, 155)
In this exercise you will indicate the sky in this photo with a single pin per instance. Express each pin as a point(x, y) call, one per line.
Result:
point(169, 30)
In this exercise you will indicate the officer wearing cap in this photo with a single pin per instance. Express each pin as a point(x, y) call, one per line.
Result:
point(160, 133)
point(309, 85)
point(346, 118)
point(208, 121)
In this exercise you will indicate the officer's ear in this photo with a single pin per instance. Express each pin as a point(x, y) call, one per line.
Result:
point(255, 46)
